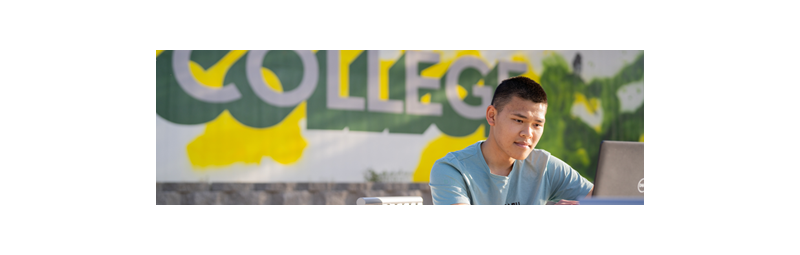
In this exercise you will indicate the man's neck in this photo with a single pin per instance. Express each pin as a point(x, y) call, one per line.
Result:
point(498, 161)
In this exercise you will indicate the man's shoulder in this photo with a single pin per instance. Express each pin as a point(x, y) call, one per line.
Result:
point(539, 156)
point(543, 160)
point(539, 152)
point(457, 159)
point(468, 152)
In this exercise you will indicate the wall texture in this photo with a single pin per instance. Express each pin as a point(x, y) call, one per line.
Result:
point(351, 116)
point(199, 193)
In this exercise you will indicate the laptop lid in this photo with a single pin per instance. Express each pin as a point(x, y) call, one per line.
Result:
point(620, 170)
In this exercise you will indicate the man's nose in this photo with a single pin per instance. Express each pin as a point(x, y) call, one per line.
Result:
point(527, 132)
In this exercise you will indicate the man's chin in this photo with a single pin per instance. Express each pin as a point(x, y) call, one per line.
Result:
point(522, 156)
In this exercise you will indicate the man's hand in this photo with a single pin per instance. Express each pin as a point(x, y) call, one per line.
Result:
point(567, 202)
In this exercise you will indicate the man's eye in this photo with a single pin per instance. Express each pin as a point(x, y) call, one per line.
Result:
point(520, 121)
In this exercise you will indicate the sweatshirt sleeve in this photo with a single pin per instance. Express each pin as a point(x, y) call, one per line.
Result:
point(565, 182)
point(447, 185)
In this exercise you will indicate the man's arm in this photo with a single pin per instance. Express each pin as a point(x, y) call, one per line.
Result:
point(573, 202)
point(447, 185)
point(568, 184)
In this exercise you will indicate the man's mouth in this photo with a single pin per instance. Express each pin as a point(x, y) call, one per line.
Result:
point(523, 144)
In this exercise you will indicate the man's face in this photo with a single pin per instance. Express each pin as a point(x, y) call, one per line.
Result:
point(518, 127)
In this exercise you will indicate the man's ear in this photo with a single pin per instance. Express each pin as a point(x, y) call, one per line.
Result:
point(491, 115)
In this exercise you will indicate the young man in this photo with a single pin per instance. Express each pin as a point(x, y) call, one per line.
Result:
point(505, 168)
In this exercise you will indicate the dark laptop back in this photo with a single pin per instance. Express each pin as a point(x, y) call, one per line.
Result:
point(620, 170)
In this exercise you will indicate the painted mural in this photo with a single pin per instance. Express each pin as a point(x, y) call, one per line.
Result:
point(355, 116)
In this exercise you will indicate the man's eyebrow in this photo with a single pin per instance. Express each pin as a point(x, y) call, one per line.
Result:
point(526, 117)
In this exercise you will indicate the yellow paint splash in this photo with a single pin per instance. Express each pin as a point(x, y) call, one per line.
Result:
point(438, 70)
point(520, 57)
point(592, 105)
point(271, 79)
point(462, 93)
point(158, 52)
point(383, 77)
point(439, 147)
point(641, 138)
point(346, 58)
point(425, 99)
point(226, 141)
point(215, 75)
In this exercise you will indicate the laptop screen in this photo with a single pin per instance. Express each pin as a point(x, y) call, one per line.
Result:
point(620, 170)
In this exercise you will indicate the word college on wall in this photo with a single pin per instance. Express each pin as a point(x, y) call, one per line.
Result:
point(355, 116)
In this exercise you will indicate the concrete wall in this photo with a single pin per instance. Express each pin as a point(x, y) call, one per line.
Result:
point(181, 193)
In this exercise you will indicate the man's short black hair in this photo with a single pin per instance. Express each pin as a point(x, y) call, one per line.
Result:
point(520, 86)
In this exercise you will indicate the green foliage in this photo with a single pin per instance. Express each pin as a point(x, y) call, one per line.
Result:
point(570, 138)
point(386, 176)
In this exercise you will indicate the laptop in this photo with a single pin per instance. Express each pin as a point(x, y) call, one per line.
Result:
point(620, 174)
